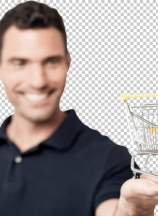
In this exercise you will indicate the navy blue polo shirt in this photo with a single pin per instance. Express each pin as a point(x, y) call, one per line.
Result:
point(70, 173)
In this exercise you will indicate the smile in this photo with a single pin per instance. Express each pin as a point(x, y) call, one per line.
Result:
point(36, 97)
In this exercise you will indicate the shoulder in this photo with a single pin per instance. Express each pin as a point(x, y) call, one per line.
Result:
point(97, 144)
point(93, 137)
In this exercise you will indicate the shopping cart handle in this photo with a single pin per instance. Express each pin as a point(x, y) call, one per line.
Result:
point(125, 97)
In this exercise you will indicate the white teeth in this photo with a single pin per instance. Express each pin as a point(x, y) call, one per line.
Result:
point(36, 97)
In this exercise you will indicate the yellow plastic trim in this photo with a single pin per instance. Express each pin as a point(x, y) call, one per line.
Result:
point(153, 130)
point(125, 97)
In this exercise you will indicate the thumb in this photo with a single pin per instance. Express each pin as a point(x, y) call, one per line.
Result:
point(140, 187)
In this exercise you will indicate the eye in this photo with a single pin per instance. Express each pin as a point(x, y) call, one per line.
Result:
point(53, 61)
point(18, 63)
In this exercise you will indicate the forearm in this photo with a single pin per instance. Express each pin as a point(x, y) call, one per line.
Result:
point(125, 208)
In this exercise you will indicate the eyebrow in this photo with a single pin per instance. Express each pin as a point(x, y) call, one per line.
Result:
point(59, 57)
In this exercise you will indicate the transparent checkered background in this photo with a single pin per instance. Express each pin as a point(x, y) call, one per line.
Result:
point(114, 50)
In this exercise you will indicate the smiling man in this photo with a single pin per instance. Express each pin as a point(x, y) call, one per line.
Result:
point(50, 162)
point(34, 68)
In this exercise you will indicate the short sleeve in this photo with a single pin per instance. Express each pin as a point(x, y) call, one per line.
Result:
point(117, 171)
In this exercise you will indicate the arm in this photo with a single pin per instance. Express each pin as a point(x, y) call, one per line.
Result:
point(107, 208)
point(115, 172)
point(115, 207)
point(124, 209)
point(138, 198)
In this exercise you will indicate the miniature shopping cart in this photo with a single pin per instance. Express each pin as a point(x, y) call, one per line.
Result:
point(143, 126)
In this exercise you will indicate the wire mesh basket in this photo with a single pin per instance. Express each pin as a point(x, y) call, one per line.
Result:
point(143, 126)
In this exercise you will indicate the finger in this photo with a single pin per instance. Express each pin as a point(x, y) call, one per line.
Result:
point(150, 178)
point(155, 172)
point(140, 187)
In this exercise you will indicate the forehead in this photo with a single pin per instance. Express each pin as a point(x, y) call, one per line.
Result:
point(32, 42)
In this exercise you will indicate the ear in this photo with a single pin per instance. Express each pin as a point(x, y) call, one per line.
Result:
point(0, 72)
point(68, 59)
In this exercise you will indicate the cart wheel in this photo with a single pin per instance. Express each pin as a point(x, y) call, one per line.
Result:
point(136, 175)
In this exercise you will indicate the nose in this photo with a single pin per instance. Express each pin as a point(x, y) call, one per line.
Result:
point(37, 77)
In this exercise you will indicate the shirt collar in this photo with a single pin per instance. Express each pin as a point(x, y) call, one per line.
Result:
point(62, 138)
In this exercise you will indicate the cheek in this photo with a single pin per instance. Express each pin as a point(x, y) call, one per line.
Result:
point(8, 84)
point(59, 79)
point(10, 94)
point(63, 83)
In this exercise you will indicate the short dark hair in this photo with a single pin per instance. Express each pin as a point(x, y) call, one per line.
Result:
point(33, 15)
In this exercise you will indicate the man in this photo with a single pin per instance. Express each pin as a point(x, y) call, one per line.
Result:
point(50, 162)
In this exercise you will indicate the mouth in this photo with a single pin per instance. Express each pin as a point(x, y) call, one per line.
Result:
point(37, 99)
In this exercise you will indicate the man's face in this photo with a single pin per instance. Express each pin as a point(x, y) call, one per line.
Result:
point(25, 69)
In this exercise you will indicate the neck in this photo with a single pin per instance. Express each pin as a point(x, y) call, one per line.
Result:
point(26, 134)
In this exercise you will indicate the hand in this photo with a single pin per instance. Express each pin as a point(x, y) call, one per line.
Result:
point(138, 196)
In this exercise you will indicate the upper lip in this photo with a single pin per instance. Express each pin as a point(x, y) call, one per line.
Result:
point(39, 93)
